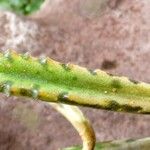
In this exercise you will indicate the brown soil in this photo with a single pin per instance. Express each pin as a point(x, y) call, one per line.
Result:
point(112, 35)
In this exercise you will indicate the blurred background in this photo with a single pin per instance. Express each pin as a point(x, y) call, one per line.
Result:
point(113, 35)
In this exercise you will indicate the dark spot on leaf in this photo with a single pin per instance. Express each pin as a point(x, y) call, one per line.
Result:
point(113, 105)
point(134, 81)
point(66, 67)
point(145, 112)
point(26, 92)
point(129, 108)
point(110, 74)
point(130, 140)
point(116, 84)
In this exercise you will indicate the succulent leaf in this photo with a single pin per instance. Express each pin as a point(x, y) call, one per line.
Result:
point(48, 80)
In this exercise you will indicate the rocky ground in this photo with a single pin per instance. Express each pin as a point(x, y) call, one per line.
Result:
point(113, 35)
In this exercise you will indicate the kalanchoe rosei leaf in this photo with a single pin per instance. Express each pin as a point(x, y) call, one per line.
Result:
point(51, 81)
point(21, 6)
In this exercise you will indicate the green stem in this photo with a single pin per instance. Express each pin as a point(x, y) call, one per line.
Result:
point(51, 81)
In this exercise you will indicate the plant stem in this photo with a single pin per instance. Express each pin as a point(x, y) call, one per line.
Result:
point(74, 115)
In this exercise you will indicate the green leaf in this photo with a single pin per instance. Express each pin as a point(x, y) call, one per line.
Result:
point(141, 144)
point(25, 7)
point(51, 81)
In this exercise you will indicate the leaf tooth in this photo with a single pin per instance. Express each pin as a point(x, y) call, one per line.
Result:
point(7, 89)
point(66, 66)
point(43, 60)
point(35, 93)
point(26, 56)
point(63, 96)
point(100, 72)
point(7, 54)
point(93, 72)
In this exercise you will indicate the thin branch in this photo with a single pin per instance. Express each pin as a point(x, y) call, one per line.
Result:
point(74, 115)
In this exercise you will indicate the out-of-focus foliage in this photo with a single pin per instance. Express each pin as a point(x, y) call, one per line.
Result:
point(21, 6)
point(132, 144)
